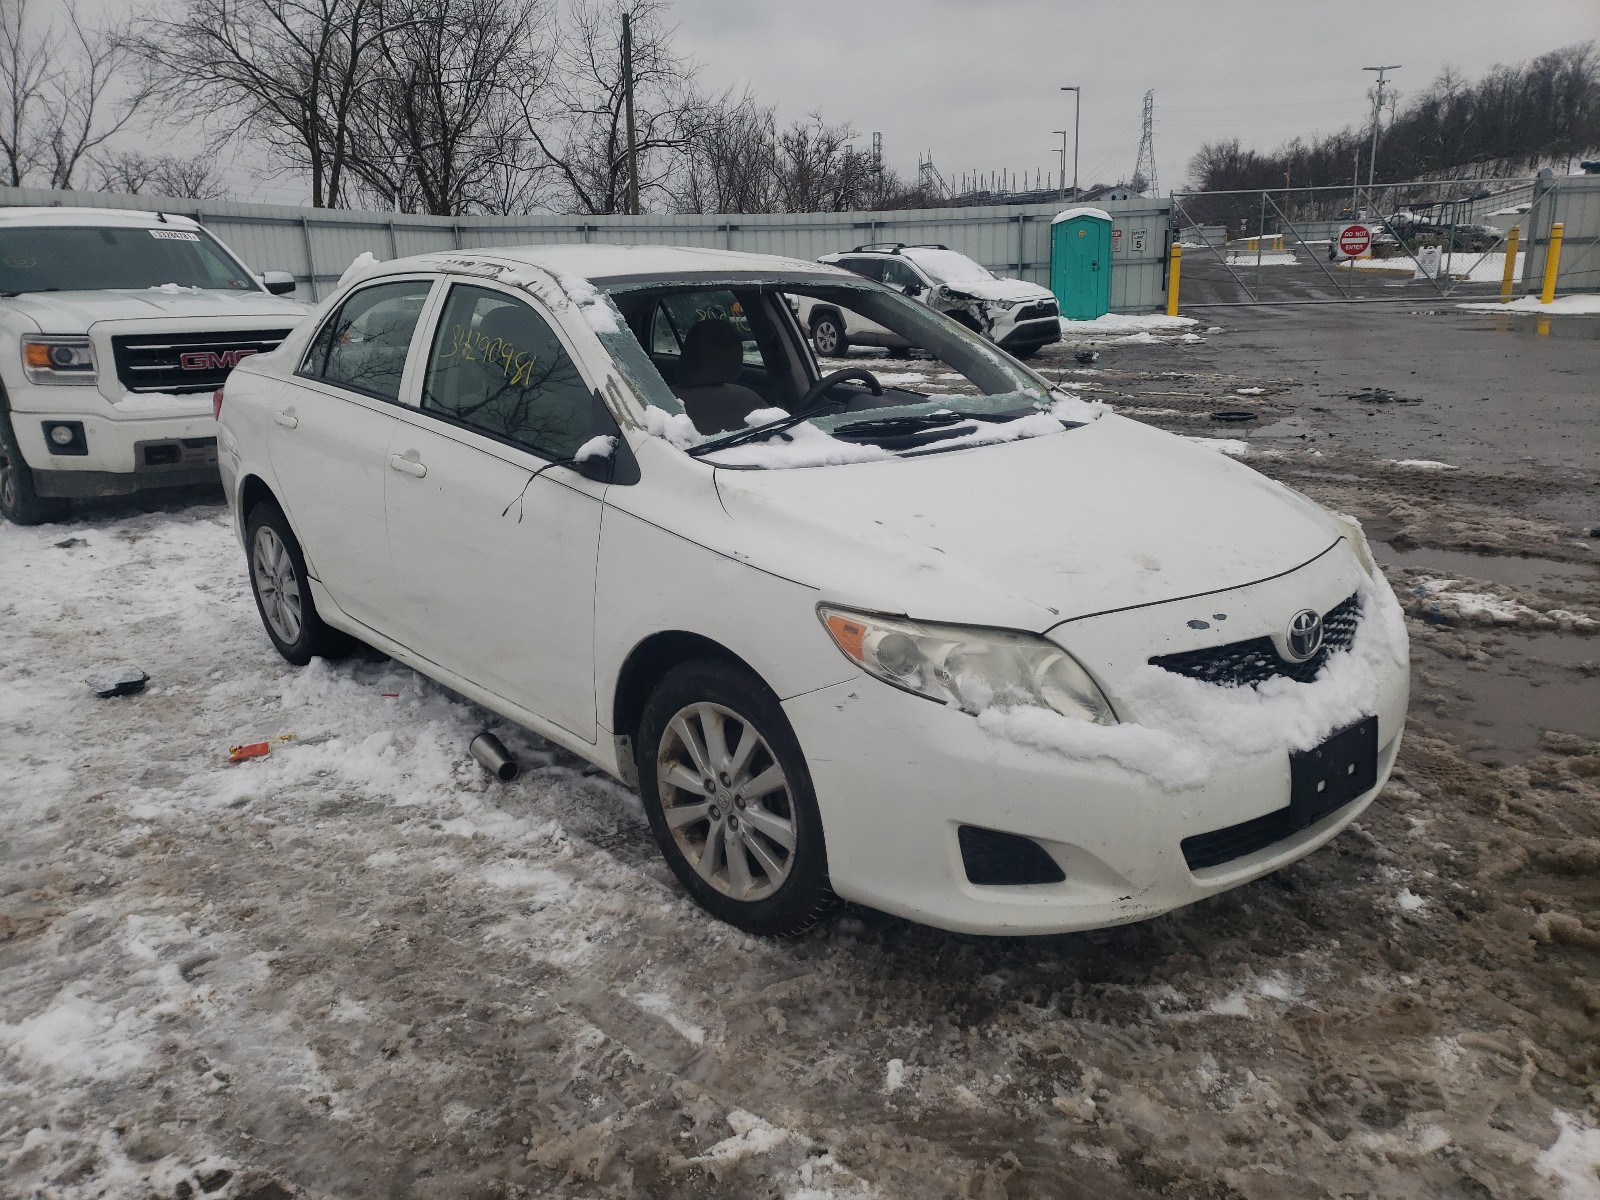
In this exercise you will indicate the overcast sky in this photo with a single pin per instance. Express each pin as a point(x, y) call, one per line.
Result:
point(975, 81)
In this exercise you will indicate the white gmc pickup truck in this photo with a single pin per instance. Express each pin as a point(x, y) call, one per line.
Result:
point(115, 329)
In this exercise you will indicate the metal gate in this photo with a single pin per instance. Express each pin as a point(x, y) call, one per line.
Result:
point(1438, 239)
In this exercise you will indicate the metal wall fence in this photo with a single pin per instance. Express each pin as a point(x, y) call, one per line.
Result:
point(317, 244)
point(1574, 200)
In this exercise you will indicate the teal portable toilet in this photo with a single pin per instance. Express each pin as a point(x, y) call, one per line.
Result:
point(1080, 262)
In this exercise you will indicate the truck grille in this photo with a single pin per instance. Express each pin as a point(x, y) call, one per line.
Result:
point(187, 362)
point(1245, 664)
point(1037, 312)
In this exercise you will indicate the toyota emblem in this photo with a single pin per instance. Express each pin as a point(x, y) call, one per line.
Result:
point(1305, 635)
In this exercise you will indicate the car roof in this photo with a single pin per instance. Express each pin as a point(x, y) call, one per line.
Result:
point(602, 262)
point(131, 217)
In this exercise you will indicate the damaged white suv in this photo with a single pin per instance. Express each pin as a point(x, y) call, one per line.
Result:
point(115, 328)
point(995, 659)
point(1018, 316)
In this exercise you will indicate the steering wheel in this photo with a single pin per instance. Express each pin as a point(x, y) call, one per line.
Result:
point(827, 381)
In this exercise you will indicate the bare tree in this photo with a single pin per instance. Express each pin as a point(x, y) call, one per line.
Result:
point(440, 129)
point(64, 93)
point(289, 72)
point(160, 175)
point(579, 125)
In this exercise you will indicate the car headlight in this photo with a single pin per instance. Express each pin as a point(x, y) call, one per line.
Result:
point(58, 360)
point(972, 669)
point(1007, 305)
point(1353, 533)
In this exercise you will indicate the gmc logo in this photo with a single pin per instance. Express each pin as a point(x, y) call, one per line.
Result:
point(213, 360)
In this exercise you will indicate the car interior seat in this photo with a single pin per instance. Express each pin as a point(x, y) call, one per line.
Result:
point(713, 356)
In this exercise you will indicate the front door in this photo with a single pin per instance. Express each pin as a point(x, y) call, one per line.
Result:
point(493, 547)
point(329, 441)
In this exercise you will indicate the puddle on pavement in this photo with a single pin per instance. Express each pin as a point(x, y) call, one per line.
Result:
point(1499, 713)
point(1496, 568)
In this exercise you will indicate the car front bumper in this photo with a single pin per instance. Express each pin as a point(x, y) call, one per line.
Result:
point(896, 776)
point(114, 452)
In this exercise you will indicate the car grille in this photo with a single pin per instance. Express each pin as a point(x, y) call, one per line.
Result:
point(1037, 312)
point(187, 362)
point(1245, 664)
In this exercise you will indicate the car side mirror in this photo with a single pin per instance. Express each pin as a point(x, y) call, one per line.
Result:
point(913, 289)
point(279, 283)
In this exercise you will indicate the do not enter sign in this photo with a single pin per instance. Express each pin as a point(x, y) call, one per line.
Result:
point(1355, 240)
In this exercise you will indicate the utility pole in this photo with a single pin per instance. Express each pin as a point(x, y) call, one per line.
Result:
point(1077, 101)
point(627, 93)
point(1377, 109)
point(1063, 153)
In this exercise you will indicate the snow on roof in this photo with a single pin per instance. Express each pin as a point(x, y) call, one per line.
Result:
point(1069, 213)
point(137, 218)
point(601, 261)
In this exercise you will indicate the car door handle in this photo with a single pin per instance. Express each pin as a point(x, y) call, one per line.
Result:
point(407, 464)
point(286, 418)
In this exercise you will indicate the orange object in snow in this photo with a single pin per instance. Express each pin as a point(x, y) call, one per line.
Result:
point(253, 750)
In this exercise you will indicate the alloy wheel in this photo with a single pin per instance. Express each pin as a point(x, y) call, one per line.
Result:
point(826, 337)
point(726, 801)
point(278, 585)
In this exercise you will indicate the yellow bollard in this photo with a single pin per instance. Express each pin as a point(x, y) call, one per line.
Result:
point(1172, 279)
point(1552, 264)
point(1506, 280)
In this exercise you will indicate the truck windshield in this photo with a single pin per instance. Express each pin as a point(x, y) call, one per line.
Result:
point(78, 258)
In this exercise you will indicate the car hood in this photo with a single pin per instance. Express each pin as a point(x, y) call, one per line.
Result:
point(75, 312)
point(1001, 289)
point(1107, 516)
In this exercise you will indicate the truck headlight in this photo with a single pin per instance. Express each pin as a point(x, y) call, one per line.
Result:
point(49, 359)
point(970, 668)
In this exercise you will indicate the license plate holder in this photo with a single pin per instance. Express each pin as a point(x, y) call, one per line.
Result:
point(1331, 775)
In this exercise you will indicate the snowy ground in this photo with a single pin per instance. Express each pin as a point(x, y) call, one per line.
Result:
point(357, 968)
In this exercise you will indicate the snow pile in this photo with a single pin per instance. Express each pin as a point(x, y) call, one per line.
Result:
point(591, 302)
point(359, 266)
point(1267, 258)
point(1561, 306)
point(1081, 211)
point(163, 402)
point(1573, 1159)
point(1233, 447)
point(676, 428)
point(1248, 391)
point(804, 445)
point(1444, 602)
point(174, 289)
point(1183, 733)
point(1423, 464)
point(601, 446)
point(1112, 323)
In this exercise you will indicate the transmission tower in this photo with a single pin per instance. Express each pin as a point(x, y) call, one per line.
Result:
point(877, 153)
point(1144, 171)
point(928, 175)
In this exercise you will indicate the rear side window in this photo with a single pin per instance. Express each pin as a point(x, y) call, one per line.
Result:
point(497, 367)
point(364, 345)
point(867, 268)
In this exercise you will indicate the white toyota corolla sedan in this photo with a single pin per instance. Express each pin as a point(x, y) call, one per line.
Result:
point(956, 643)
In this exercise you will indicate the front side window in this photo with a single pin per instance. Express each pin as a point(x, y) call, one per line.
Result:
point(79, 258)
point(899, 276)
point(496, 366)
point(364, 345)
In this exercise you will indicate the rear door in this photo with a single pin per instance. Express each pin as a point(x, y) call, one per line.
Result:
point(494, 547)
point(329, 440)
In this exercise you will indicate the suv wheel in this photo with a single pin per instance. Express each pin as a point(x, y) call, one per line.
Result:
point(828, 338)
point(283, 597)
point(19, 502)
point(730, 800)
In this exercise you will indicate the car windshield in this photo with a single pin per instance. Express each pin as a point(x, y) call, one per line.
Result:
point(726, 365)
point(946, 266)
point(83, 258)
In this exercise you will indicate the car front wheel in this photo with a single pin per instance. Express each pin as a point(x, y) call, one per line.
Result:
point(730, 801)
point(19, 502)
point(283, 597)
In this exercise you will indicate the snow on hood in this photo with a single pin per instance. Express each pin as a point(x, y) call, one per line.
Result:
point(1106, 516)
point(1001, 289)
point(72, 312)
point(1067, 214)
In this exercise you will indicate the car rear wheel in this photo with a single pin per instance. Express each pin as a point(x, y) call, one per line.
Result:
point(828, 337)
point(19, 502)
point(730, 800)
point(278, 579)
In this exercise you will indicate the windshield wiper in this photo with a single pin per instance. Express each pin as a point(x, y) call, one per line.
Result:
point(767, 429)
point(916, 423)
point(23, 291)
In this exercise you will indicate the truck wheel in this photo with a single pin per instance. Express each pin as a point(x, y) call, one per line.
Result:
point(19, 503)
point(828, 337)
point(278, 579)
point(730, 800)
